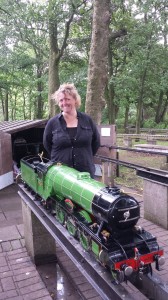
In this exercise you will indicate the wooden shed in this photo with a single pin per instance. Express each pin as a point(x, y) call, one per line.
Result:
point(18, 139)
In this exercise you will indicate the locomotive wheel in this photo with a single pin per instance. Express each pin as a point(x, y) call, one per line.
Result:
point(60, 215)
point(84, 240)
point(103, 257)
point(118, 276)
point(71, 227)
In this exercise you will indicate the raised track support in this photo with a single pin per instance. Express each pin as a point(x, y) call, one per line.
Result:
point(156, 202)
point(155, 195)
point(39, 243)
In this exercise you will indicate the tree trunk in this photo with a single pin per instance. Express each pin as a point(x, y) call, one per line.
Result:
point(112, 107)
point(24, 106)
point(139, 112)
point(53, 79)
point(162, 103)
point(54, 58)
point(13, 110)
point(55, 52)
point(111, 92)
point(126, 118)
point(159, 107)
point(142, 82)
point(2, 101)
point(97, 72)
point(6, 116)
point(39, 97)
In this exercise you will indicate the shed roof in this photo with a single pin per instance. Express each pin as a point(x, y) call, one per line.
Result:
point(16, 126)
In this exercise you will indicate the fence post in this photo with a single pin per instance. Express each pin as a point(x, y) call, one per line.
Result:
point(117, 167)
point(105, 172)
point(127, 141)
point(151, 140)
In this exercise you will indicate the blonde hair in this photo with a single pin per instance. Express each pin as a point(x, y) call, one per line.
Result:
point(71, 90)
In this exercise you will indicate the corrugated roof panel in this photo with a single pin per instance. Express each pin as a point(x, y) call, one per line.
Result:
point(15, 126)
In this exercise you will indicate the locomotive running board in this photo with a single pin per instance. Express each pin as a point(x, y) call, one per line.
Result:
point(97, 276)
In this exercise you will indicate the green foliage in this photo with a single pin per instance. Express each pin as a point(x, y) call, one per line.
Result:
point(162, 125)
point(150, 124)
point(139, 58)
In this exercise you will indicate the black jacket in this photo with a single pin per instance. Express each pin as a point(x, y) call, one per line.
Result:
point(80, 154)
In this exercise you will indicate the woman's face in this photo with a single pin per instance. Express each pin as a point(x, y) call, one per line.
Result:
point(66, 102)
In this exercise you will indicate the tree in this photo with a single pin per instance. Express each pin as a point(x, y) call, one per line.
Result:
point(97, 72)
point(23, 23)
point(139, 71)
point(58, 38)
point(47, 42)
point(56, 52)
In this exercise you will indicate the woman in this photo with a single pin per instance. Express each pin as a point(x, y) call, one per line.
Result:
point(71, 137)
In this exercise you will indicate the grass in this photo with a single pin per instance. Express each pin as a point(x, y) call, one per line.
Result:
point(128, 178)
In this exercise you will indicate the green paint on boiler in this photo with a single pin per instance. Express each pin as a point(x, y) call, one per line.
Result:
point(66, 182)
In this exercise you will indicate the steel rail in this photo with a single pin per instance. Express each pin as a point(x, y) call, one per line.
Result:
point(154, 175)
point(154, 151)
point(145, 172)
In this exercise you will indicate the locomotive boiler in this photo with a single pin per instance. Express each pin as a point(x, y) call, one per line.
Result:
point(102, 218)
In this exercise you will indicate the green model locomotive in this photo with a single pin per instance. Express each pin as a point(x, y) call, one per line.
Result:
point(103, 219)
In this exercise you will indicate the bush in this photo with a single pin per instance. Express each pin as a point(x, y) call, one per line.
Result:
point(149, 124)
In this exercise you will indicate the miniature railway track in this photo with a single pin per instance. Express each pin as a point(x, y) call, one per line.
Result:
point(155, 151)
point(145, 172)
point(144, 136)
point(153, 174)
point(98, 276)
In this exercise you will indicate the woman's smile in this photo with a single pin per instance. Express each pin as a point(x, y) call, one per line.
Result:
point(66, 102)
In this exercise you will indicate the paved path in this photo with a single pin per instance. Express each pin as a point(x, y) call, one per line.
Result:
point(19, 279)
